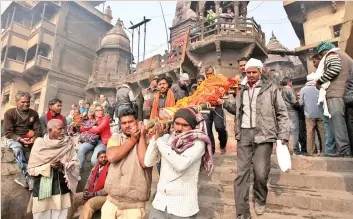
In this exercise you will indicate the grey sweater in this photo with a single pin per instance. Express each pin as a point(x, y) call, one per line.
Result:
point(308, 99)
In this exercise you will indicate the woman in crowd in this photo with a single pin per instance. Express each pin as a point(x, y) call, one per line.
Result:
point(102, 128)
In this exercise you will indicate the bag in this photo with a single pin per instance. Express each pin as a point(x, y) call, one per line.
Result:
point(283, 156)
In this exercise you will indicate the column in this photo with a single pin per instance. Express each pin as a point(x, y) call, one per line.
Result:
point(44, 7)
point(218, 20)
point(201, 12)
point(236, 9)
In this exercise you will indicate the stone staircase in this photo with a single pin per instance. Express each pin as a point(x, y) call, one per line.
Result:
point(315, 188)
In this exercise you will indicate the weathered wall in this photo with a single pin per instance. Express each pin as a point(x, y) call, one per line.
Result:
point(318, 26)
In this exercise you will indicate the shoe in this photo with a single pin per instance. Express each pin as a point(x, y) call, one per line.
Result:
point(22, 182)
point(223, 151)
point(243, 217)
point(30, 183)
point(259, 209)
point(296, 153)
point(304, 153)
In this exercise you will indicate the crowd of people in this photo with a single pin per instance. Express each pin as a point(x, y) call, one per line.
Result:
point(120, 181)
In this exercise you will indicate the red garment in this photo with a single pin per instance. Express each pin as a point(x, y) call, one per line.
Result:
point(101, 179)
point(103, 129)
point(49, 116)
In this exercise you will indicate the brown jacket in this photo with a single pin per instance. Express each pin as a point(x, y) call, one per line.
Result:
point(128, 184)
point(272, 122)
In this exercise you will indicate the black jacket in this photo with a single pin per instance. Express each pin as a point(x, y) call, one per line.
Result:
point(59, 185)
point(348, 94)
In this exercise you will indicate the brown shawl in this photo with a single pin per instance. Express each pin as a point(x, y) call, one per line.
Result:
point(45, 151)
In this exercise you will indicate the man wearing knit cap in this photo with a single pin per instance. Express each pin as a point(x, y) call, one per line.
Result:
point(261, 118)
point(336, 66)
point(180, 89)
point(182, 153)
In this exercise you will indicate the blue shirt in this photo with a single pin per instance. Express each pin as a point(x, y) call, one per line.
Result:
point(309, 96)
point(83, 110)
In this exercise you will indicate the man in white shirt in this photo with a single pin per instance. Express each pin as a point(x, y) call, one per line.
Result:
point(183, 153)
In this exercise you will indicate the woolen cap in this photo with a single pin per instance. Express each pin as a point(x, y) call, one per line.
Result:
point(188, 114)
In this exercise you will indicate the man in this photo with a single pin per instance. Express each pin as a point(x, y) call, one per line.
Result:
point(54, 112)
point(94, 194)
point(181, 153)
point(302, 126)
point(330, 141)
point(241, 66)
point(163, 98)
point(105, 104)
point(148, 95)
point(216, 116)
point(262, 119)
point(336, 69)
point(124, 99)
point(128, 183)
point(193, 89)
point(200, 79)
point(313, 117)
point(21, 128)
point(54, 165)
point(293, 108)
point(180, 89)
point(83, 109)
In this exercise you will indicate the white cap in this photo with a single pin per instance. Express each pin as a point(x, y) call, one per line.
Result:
point(254, 63)
point(81, 101)
point(184, 77)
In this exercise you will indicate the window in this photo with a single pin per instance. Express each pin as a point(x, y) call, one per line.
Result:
point(5, 99)
point(337, 30)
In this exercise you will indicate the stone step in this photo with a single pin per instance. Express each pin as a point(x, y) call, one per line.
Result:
point(329, 164)
point(328, 200)
point(342, 181)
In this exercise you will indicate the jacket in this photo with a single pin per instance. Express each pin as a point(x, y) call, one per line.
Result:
point(101, 192)
point(309, 96)
point(348, 93)
point(179, 92)
point(124, 96)
point(44, 122)
point(59, 186)
point(103, 129)
point(272, 122)
point(290, 99)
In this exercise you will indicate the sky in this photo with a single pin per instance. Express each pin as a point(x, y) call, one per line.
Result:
point(269, 14)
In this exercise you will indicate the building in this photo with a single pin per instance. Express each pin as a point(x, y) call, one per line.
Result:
point(314, 22)
point(44, 53)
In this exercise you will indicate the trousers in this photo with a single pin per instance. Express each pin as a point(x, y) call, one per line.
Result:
point(111, 211)
point(92, 205)
point(51, 214)
point(217, 117)
point(313, 124)
point(260, 155)
point(85, 147)
point(157, 214)
point(19, 155)
point(294, 130)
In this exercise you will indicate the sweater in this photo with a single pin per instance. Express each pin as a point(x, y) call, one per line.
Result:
point(177, 190)
point(15, 126)
point(309, 96)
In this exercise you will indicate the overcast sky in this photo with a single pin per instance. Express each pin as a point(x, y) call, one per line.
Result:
point(269, 14)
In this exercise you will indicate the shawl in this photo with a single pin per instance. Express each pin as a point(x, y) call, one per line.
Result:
point(49, 116)
point(186, 140)
point(169, 102)
point(88, 136)
point(77, 119)
point(45, 151)
point(101, 179)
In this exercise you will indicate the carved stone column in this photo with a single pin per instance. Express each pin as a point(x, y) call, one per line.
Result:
point(218, 52)
point(236, 9)
point(244, 9)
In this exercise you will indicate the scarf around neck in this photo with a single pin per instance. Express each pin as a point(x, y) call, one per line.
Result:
point(50, 116)
point(101, 179)
point(169, 102)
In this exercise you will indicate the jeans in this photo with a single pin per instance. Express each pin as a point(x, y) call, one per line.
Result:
point(86, 147)
point(217, 116)
point(19, 155)
point(260, 155)
point(330, 141)
point(294, 130)
point(337, 109)
point(120, 108)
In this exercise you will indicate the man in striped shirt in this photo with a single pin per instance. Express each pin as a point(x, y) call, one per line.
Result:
point(338, 65)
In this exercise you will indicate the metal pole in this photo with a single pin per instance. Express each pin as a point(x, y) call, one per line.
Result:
point(165, 24)
point(138, 45)
point(144, 40)
point(132, 50)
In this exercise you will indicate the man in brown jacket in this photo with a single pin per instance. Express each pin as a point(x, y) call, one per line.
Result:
point(22, 127)
point(261, 118)
point(128, 183)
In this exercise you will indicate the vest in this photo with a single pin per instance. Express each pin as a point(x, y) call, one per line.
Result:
point(122, 96)
point(338, 84)
point(128, 184)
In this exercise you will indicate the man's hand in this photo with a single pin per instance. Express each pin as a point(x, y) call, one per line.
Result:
point(220, 101)
point(26, 142)
point(135, 133)
point(87, 195)
point(285, 142)
point(56, 164)
point(159, 131)
point(143, 130)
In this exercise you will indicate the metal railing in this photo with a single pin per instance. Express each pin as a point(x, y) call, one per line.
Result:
point(226, 26)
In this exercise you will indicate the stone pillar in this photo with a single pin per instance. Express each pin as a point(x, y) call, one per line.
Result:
point(236, 9)
point(43, 12)
point(201, 14)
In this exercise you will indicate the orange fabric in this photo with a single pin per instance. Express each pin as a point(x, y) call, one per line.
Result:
point(169, 102)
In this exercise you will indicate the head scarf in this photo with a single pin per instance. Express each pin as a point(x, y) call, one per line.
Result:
point(323, 46)
point(254, 63)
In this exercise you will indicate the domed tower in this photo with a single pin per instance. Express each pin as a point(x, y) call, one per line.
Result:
point(111, 64)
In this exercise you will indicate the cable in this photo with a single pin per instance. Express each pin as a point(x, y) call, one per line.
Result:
point(256, 7)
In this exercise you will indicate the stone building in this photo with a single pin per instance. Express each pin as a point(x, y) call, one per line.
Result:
point(314, 22)
point(44, 51)
point(282, 66)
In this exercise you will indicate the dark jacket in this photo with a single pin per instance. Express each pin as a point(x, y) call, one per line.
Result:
point(290, 99)
point(44, 122)
point(180, 91)
point(272, 122)
point(59, 185)
point(348, 94)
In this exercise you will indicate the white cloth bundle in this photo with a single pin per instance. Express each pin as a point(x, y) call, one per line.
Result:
point(283, 156)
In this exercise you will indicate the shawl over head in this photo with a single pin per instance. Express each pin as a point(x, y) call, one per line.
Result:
point(45, 151)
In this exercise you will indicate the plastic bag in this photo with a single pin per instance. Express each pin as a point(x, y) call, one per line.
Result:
point(283, 156)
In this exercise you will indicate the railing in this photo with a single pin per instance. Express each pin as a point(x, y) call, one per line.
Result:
point(93, 10)
point(45, 24)
point(224, 26)
point(30, 64)
point(18, 28)
point(13, 65)
point(44, 62)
